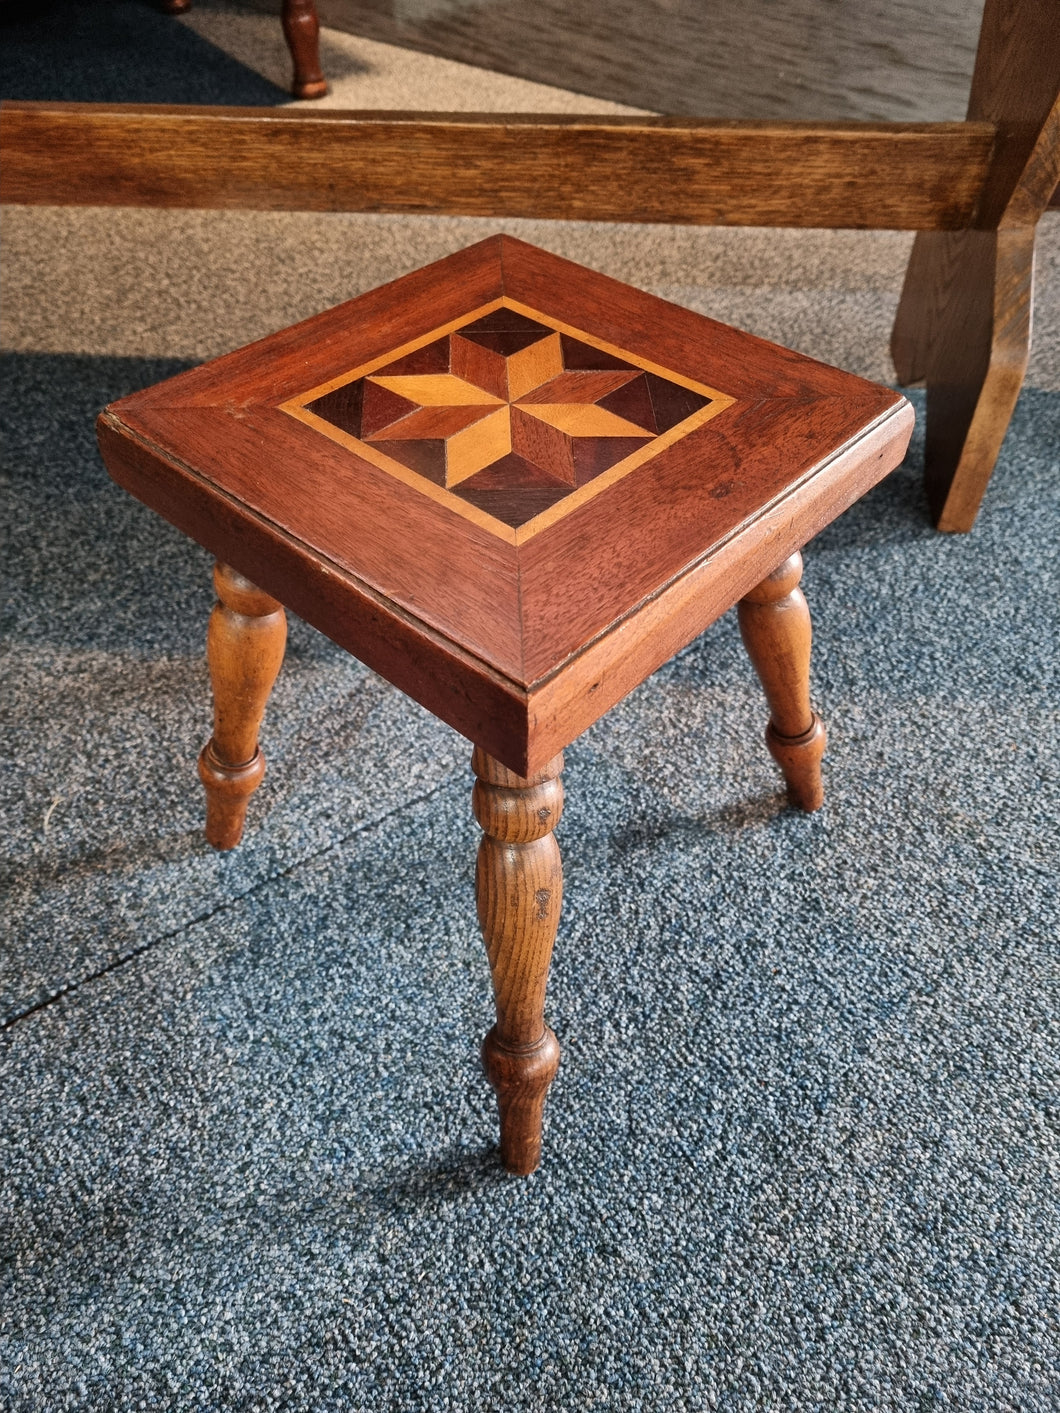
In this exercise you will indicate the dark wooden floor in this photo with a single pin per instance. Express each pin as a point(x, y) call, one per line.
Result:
point(863, 59)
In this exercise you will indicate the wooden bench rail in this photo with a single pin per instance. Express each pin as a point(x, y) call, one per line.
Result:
point(973, 191)
point(908, 176)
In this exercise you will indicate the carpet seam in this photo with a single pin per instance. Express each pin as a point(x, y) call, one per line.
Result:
point(222, 907)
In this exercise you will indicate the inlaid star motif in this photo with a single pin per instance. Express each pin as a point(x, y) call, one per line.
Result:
point(508, 414)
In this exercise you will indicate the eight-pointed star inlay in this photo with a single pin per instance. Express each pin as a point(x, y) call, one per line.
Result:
point(509, 414)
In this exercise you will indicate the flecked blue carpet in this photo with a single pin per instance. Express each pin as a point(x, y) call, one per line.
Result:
point(803, 1149)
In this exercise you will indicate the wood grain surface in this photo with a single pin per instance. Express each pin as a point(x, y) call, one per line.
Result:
point(1016, 84)
point(776, 630)
point(964, 321)
point(518, 895)
point(244, 646)
point(301, 29)
point(519, 646)
point(904, 176)
point(519, 462)
point(964, 326)
point(607, 669)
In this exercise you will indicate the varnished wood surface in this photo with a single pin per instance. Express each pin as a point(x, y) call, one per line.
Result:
point(245, 645)
point(458, 687)
point(518, 421)
point(964, 321)
point(917, 177)
point(1016, 84)
point(964, 327)
point(518, 646)
point(301, 29)
point(519, 894)
point(776, 631)
point(513, 609)
point(565, 704)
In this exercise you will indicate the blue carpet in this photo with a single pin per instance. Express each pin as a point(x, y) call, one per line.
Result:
point(803, 1148)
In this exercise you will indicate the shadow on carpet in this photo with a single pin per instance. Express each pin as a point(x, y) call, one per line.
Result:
point(118, 51)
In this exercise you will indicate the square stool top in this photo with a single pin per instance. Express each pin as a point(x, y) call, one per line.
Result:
point(512, 486)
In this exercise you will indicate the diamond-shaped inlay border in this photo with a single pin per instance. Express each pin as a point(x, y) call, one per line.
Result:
point(508, 416)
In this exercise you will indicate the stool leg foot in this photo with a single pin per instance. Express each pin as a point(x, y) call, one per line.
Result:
point(244, 646)
point(518, 892)
point(301, 29)
point(776, 631)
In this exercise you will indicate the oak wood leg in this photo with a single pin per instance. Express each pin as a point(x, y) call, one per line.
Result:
point(914, 322)
point(518, 892)
point(776, 631)
point(963, 326)
point(301, 29)
point(244, 646)
point(964, 320)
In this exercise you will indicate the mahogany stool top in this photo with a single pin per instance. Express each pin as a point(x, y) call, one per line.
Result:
point(512, 486)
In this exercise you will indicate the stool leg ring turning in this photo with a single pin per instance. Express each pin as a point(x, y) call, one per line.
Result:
point(244, 645)
point(518, 891)
point(776, 631)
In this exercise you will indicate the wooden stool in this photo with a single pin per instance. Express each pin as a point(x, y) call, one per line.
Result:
point(514, 488)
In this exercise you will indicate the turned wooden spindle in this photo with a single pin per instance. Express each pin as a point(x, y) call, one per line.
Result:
point(301, 28)
point(518, 891)
point(776, 631)
point(244, 646)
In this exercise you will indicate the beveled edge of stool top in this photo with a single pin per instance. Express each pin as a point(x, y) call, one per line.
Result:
point(575, 479)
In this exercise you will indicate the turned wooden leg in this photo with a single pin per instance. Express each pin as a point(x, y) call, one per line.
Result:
point(302, 29)
point(518, 890)
point(963, 327)
point(775, 627)
point(244, 645)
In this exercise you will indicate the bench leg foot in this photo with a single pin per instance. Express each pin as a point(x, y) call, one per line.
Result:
point(244, 646)
point(518, 892)
point(776, 631)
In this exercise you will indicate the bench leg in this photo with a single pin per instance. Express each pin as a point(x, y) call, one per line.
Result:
point(963, 327)
point(518, 891)
point(244, 645)
point(775, 627)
